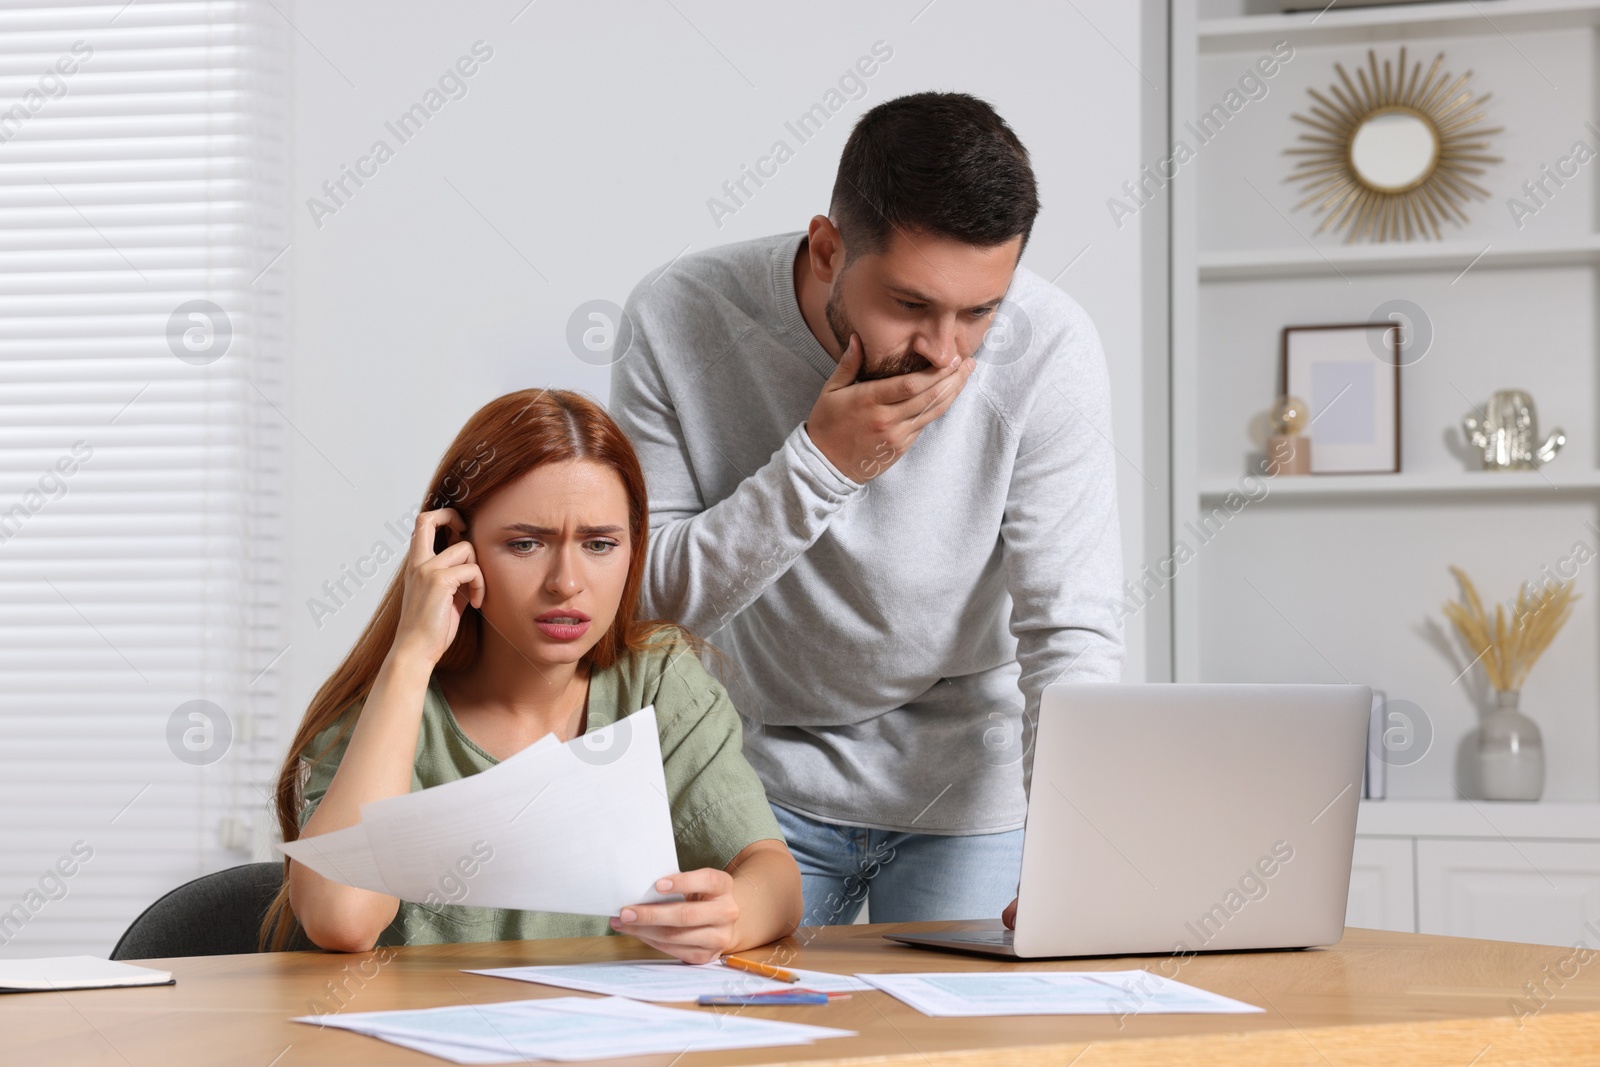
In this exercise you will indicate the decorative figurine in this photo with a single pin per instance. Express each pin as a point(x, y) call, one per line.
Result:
point(1507, 431)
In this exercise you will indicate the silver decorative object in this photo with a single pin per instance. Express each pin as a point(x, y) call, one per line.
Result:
point(1507, 434)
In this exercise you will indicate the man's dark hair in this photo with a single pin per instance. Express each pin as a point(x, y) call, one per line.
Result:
point(944, 163)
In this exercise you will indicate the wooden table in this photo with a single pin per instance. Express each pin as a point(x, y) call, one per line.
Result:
point(1376, 998)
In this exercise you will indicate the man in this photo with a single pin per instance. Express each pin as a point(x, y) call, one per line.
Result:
point(881, 480)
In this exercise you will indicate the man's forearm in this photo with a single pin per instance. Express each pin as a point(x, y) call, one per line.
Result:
point(1062, 537)
point(704, 569)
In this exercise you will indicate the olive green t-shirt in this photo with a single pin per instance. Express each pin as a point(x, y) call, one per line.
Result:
point(717, 804)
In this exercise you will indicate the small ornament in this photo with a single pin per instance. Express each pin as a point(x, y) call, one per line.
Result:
point(1505, 432)
point(1287, 451)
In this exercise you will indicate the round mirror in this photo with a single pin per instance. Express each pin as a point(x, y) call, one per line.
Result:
point(1394, 150)
point(1399, 153)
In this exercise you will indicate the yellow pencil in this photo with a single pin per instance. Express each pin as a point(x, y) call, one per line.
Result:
point(766, 970)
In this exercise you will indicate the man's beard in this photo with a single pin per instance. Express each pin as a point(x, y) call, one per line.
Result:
point(871, 370)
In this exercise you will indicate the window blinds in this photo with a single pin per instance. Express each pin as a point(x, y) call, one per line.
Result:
point(141, 266)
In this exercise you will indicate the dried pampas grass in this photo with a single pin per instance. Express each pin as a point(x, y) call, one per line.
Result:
point(1510, 648)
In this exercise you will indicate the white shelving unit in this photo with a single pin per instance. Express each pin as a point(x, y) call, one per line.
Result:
point(1340, 578)
point(1222, 29)
point(1339, 261)
point(1484, 483)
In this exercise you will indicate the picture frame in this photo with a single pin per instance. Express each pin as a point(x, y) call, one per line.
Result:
point(1349, 376)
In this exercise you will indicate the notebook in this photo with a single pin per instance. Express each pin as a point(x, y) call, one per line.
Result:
point(75, 972)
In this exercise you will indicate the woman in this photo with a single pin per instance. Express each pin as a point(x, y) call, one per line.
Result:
point(513, 616)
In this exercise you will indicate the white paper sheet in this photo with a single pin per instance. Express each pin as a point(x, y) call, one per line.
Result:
point(569, 1028)
point(580, 828)
point(670, 982)
point(974, 993)
point(342, 855)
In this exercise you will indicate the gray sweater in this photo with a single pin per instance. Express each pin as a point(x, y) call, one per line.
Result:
point(885, 637)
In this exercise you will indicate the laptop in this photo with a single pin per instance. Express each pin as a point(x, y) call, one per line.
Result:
point(1173, 819)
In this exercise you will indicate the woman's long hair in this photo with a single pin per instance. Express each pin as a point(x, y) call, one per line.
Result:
point(505, 439)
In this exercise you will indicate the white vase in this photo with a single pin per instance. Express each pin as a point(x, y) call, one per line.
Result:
point(1510, 752)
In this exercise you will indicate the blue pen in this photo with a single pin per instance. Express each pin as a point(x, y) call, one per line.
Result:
point(756, 1000)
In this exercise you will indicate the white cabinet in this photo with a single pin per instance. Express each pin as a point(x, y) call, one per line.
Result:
point(1383, 885)
point(1498, 871)
point(1542, 891)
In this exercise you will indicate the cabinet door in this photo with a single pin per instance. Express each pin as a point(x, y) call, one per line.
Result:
point(1546, 892)
point(1382, 885)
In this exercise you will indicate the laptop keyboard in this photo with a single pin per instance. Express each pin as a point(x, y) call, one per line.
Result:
point(981, 937)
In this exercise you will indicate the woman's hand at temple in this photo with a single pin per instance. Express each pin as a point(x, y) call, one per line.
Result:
point(437, 587)
point(754, 902)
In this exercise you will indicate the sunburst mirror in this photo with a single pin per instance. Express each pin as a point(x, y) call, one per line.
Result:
point(1393, 152)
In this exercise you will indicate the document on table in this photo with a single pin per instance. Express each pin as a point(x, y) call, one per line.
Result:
point(668, 981)
point(972, 993)
point(569, 1028)
point(581, 828)
point(75, 972)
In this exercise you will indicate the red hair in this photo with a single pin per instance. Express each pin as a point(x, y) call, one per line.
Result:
point(521, 431)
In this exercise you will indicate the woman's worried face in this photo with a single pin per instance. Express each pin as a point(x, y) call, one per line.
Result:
point(554, 548)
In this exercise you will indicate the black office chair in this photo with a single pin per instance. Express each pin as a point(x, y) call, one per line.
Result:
point(217, 915)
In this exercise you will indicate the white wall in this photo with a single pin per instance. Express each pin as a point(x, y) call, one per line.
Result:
point(582, 157)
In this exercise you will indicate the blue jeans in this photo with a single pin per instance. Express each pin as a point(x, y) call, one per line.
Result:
point(908, 877)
